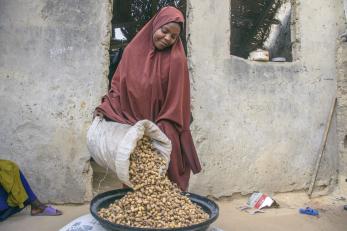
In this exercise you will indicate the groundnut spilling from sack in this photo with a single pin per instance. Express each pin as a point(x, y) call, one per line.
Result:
point(155, 202)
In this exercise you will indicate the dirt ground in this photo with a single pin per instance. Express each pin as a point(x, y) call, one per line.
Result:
point(286, 218)
point(231, 218)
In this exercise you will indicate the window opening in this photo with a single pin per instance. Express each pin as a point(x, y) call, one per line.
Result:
point(129, 16)
point(261, 24)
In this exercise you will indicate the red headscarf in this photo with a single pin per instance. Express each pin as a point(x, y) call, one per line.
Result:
point(154, 85)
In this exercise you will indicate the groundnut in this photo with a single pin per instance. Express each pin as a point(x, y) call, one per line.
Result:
point(155, 201)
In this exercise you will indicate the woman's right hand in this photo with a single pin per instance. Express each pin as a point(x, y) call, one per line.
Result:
point(97, 113)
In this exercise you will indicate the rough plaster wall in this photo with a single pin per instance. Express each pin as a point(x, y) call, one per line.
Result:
point(258, 126)
point(52, 63)
point(342, 107)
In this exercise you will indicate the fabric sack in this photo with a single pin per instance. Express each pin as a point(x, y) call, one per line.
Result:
point(89, 223)
point(110, 144)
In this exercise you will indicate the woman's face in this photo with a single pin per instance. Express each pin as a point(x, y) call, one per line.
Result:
point(166, 35)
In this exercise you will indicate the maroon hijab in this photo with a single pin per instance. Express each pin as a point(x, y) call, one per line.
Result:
point(154, 85)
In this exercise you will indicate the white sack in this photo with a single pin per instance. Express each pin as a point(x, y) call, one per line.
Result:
point(89, 223)
point(111, 144)
point(84, 223)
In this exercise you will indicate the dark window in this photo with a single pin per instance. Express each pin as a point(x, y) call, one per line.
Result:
point(261, 24)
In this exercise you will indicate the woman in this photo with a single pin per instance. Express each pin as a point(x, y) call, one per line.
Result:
point(15, 193)
point(152, 82)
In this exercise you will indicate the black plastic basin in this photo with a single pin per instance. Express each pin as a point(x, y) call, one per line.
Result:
point(103, 200)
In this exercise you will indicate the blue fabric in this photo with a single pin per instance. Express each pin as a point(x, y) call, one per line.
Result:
point(3, 199)
point(31, 195)
point(5, 210)
point(11, 211)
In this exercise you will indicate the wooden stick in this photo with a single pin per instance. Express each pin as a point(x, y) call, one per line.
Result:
point(322, 147)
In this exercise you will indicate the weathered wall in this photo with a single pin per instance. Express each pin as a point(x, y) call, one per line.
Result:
point(258, 126)
point(342, 107)
point(52, 62)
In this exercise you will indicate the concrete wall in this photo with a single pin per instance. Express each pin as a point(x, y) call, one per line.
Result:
point(258, 126)
point(52, 71)
point(342, 113)
point(342, 108)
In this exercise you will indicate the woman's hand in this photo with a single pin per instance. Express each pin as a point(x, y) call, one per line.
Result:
point(97, 113)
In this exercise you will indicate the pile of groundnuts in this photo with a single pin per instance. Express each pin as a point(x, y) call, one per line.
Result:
point(155, 202)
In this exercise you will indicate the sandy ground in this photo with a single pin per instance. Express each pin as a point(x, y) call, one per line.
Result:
point(286, 218)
